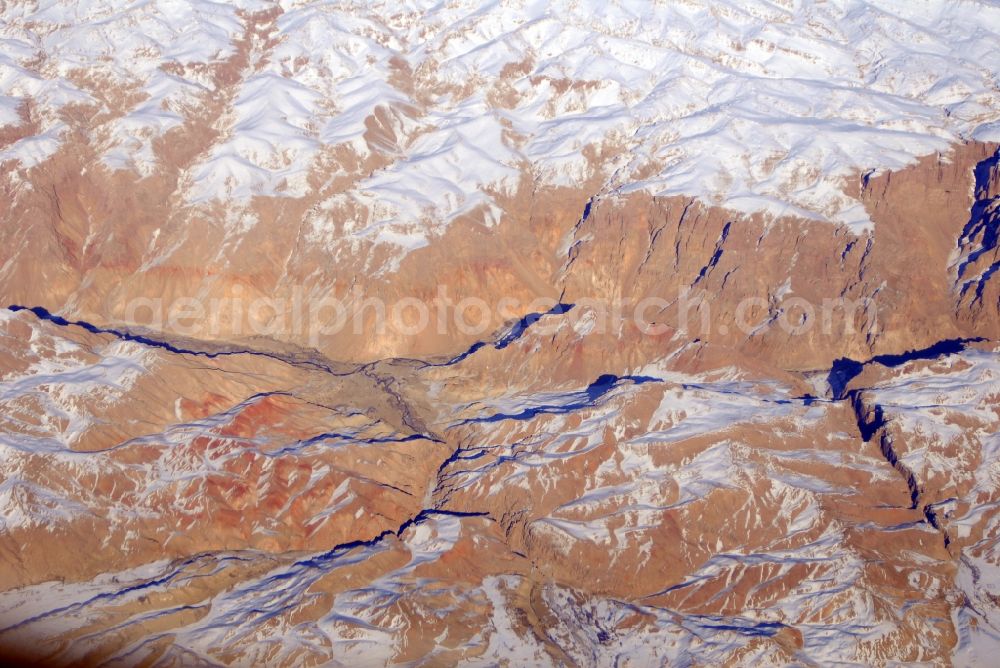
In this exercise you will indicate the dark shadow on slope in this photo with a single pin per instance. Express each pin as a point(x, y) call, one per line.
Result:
point(586, 399)
point(844, 370)
point(752, 629)
point(346, 439)
point(43, 314)
point(515, 333)
point(982, 223)
point(326, 559)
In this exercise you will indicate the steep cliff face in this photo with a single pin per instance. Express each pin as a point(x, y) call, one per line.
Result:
point(370, 334)
point(976, 262)
point(793, 291)
point(800, 294)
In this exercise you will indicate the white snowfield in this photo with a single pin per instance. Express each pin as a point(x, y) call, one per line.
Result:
point(756, 105)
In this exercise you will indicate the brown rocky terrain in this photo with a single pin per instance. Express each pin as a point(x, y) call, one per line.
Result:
point(710, 370)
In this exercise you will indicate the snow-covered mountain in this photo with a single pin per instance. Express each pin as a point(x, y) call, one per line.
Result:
point(428, 111)
point(732, 396)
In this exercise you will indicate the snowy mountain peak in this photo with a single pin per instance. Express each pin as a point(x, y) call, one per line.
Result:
point(445, 108)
